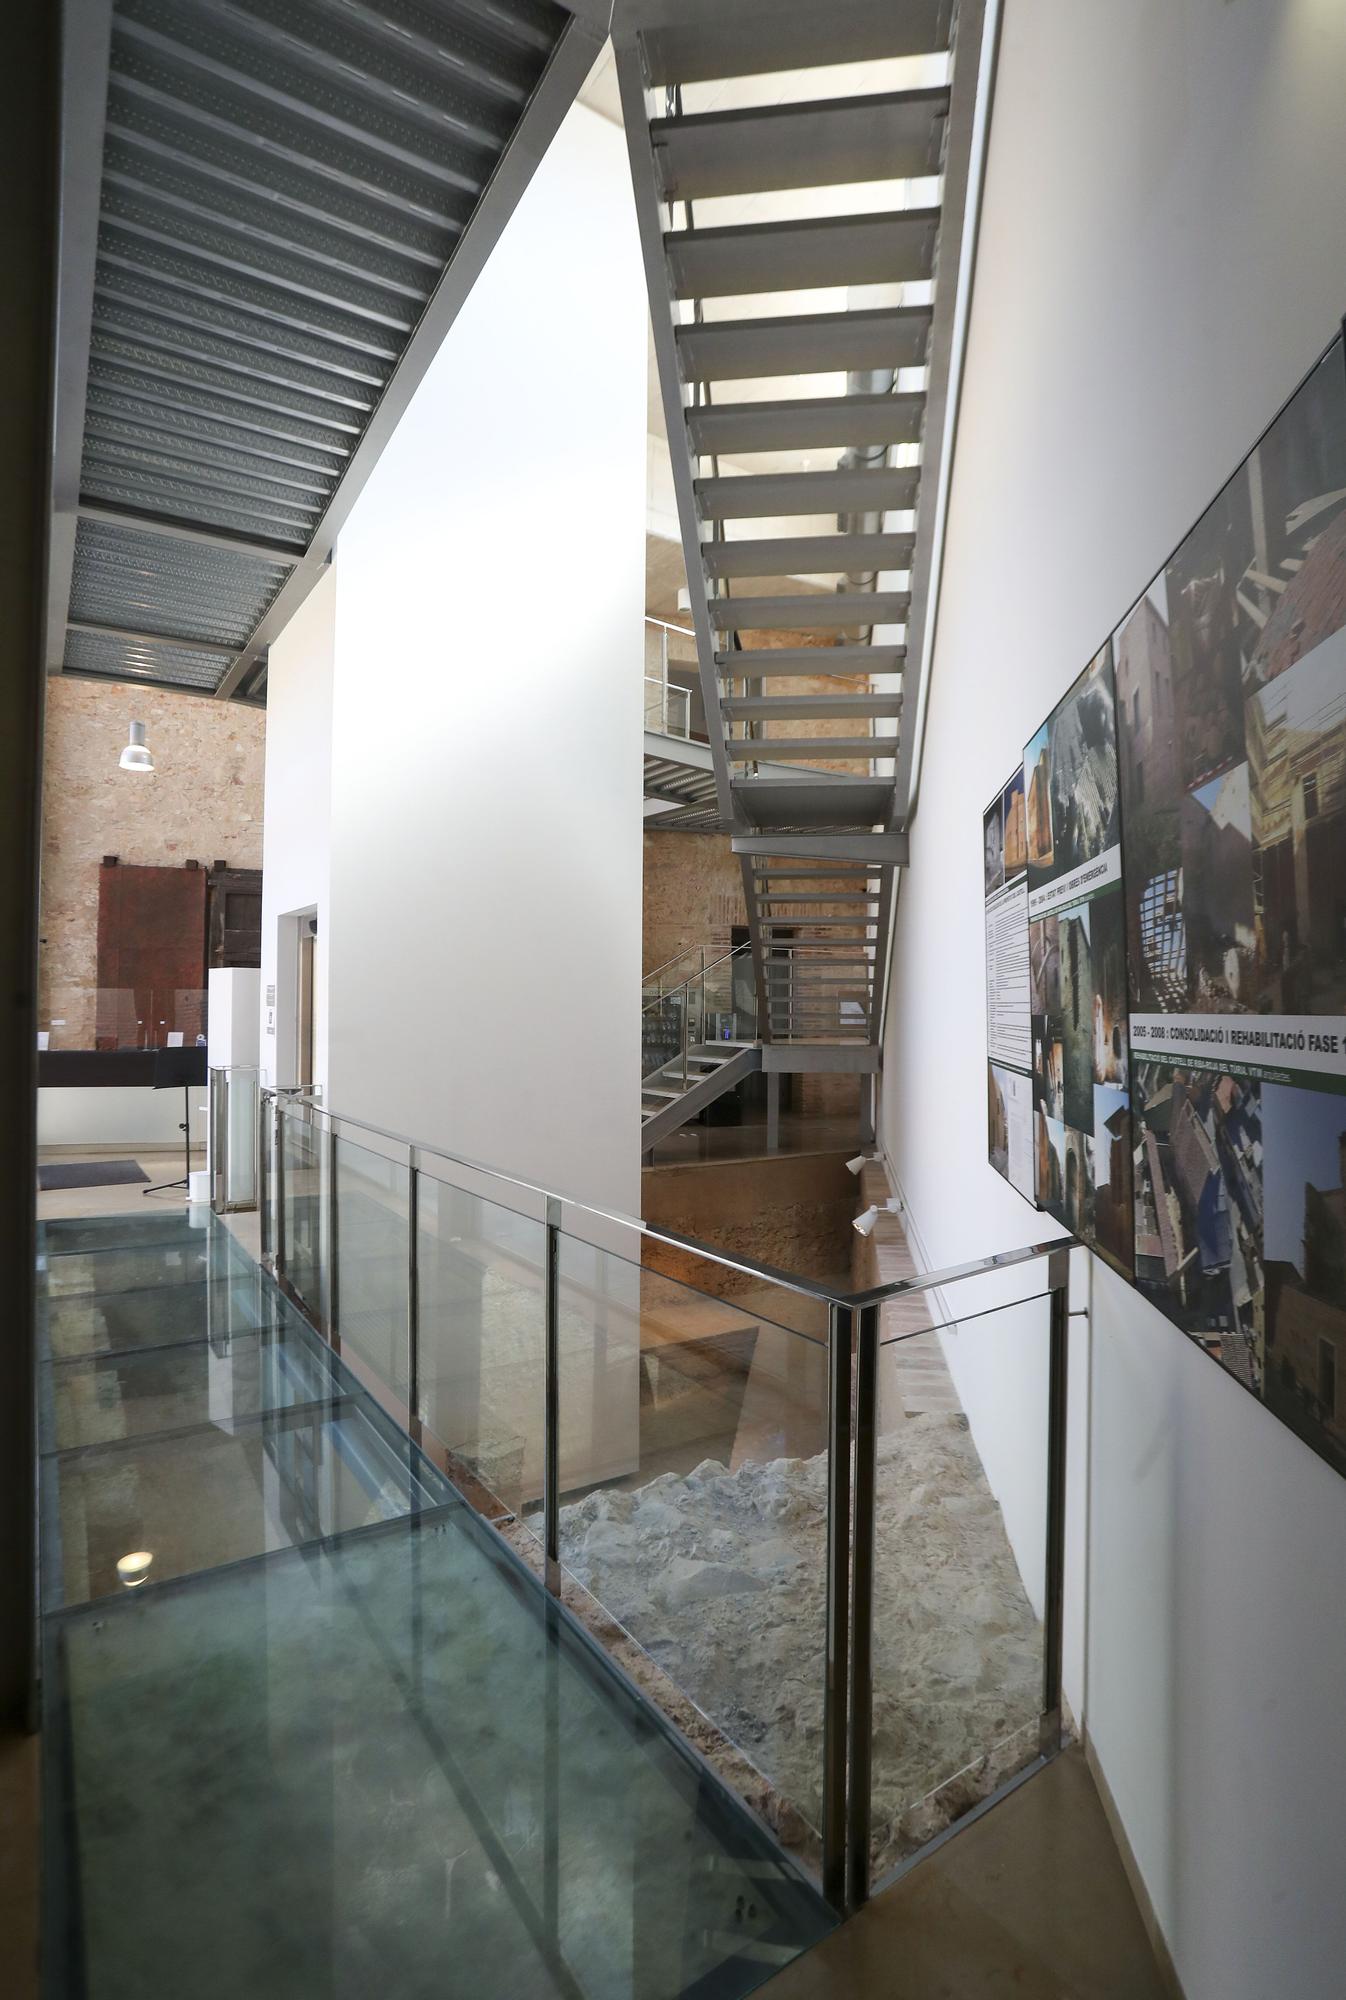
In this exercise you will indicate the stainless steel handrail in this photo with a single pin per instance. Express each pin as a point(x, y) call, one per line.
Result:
point(851, 1348)
point(749, 1267)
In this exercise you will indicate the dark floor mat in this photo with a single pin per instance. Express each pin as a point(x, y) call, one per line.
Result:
point(90, 1173)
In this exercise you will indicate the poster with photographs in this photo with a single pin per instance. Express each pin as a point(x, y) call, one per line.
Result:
point(1231, 701)
point(1009, 1101)
point(1077, 968)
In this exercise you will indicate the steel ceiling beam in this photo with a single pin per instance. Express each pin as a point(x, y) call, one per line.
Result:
point(86, 42)
point(254, 283)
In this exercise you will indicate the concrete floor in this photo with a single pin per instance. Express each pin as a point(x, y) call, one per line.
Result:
point(1031, 1902)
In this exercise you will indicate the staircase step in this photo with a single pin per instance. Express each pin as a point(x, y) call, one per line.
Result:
point(762, 495)
point(736, 350)
point(807, 555)
point(805, 707)
point(787, 661)
point(887, 249)
point(793, 896)
point(802, 749)
point(792, 871)
point(832, 142)
point(809, 611)
point(665, 1096)
point(804, 422)
point(842, 803)
point(712, 40)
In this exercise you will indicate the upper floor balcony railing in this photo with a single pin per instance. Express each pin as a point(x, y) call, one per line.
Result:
point(758, 1490)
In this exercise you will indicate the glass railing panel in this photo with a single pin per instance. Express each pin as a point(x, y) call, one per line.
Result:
point(693, 1466)
point(960, 1544)
point(482, 1342)
point(373, 1248)
point(234, 1110)
point(303, 1168)
point(76, 1015)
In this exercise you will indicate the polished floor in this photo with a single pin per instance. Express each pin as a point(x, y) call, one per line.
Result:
point(309, 1729)
point(1030, 1902)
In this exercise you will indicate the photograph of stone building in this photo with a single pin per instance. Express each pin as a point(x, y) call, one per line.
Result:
point(1297, 822)
point(1044, 966)
point(1037, 777)
point(1293, 594)
point(997, 1122)
point(1107, 950)
point(1073, 1026)
point(1147, 759)
point(1217, 878)
point(1081, 761)
point(1015, 820)
point(993, 847)
point(1198, 1208)
point(1112, 1176)
point(1305, 1178)
point(1206, 635)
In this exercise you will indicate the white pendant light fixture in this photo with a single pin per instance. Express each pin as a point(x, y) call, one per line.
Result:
point(136, 756)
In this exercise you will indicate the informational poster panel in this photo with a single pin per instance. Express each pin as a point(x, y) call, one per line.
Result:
point(1231, 680)
point(1077, 968)
point(1008, 1037)
point(1185, 809)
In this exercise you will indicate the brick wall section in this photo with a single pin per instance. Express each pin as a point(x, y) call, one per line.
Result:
point(204, 803)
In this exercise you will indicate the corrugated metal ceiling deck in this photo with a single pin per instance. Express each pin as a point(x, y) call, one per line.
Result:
point(288, 190)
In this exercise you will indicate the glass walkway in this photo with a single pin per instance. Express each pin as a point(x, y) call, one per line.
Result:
point(310, 1729)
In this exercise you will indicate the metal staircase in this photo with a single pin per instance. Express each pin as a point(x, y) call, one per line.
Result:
point(800, 177)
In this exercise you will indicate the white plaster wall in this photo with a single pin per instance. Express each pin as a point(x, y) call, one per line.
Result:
point(486, 779)
point(296, 865)
point(1163, 254)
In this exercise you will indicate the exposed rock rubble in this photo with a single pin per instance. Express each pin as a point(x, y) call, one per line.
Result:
point(719, 1575)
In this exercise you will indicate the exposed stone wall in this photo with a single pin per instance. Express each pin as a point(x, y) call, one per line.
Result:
point(791, 1210)
point(203, 802)
point(693, 893)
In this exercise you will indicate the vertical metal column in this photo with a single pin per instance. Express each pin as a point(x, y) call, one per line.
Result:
point(836, 1696)
point(1053, 1617)
point(280, 1188)
point(551, 1423)
point(333, 1287)
point(862, 1605)
point(262, 1180)
point(413, 1285)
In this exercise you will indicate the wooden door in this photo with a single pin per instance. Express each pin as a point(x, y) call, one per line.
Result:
point(151, 956)
point(234, 917)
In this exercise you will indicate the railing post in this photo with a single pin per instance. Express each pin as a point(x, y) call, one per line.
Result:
point(280, 1188)
point(333, 1215)
point(836, 1693)
point(1053, 1616)
point(413, 1285)
point(551, 1422)
point(262, 1182)
point(862, 1605)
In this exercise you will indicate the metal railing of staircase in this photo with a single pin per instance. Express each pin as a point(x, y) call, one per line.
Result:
point(852, 1342)
point(685, 987)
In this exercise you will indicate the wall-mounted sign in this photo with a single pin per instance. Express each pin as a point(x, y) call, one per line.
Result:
point(1186, 827)
point(1008, 1040)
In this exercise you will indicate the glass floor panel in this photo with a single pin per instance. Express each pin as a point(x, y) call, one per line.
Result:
point(144, 1266)
point(198, 1498)
point(168, 1388)
point(149, 1225)
point(88, 1323)
point(340, 1742)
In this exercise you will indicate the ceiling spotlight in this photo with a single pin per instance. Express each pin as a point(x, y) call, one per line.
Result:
point(865, 1223)
point(136, 756)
